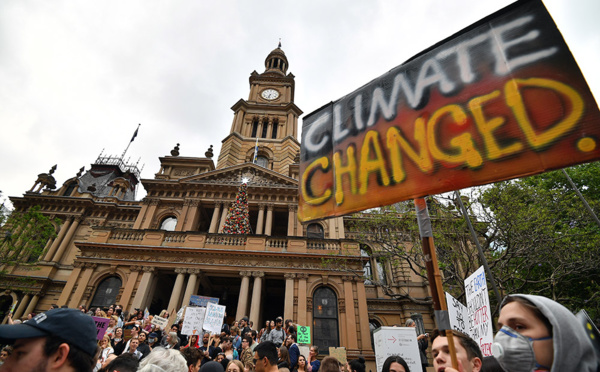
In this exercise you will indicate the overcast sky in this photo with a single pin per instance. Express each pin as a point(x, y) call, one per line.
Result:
point(77, 77)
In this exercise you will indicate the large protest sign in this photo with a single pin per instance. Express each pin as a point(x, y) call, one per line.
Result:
point(397, 341)
point(193, 321)
point(101, 326)
point(501, 99)
point(478, 306)
point(458, 314)
point(339, 353)
point(214, 317)
point(160, 322)
point(202, 301)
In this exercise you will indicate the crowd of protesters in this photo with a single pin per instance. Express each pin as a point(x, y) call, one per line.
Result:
point(536, 334)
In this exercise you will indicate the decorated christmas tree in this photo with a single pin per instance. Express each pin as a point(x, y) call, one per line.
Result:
point(238, 218)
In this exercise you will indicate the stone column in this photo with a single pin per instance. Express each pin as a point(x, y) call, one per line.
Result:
point(143, 288)
point(302, 320)
point(183, 215)
point(59, 238)
point(130, 285)
point(176, 294)
point(67, 240)
point(261, 218)
point(33, 303)
point(82, 284)
point(191, 285)
point(68, 289)
point(363, 316)
point(291, 221)
point(21, 308)
point(269, 219)
point(256, 297)
point(191, 220)
point(215, 218)
point(223, 216)
point(350, 326)
point(152, 205)
point(243, 298)
point(288, 311)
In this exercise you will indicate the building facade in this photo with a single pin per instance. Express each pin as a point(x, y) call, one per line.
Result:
point(157, 252)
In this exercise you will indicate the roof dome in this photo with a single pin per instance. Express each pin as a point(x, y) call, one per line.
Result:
point(276, 61)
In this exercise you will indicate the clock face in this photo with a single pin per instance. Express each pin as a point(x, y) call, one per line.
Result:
point(270, 94)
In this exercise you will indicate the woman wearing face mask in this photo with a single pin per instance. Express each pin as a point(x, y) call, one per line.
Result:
point(539, 334)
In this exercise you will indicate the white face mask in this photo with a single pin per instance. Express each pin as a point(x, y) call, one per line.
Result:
point(514, 351)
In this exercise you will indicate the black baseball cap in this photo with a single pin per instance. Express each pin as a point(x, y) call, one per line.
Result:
point(71, 325)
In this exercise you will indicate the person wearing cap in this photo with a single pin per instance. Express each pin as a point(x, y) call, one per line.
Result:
point(57, 340)
point(153, 340)
point(244, 326)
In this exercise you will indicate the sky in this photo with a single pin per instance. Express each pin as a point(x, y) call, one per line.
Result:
point(76, 78)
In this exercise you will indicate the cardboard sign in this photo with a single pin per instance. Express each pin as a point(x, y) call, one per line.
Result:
point(458, 314)
point(479, 314)
point(202, 301)
point(214, 318)
point(501, 99)
point(193, 321)
point(338, 353)
point(101, 325)
point(397, 341)
point(303, 335)
point(160, 322)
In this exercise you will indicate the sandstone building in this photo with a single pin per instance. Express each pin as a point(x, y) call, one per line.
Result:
point(159, 251)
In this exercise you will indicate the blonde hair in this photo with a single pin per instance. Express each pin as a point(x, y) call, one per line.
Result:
point(237, 363)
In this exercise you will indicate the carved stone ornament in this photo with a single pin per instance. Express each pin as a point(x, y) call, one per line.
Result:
point(258, 274)
point(289, 275)
point(78, 264)
point(135, 268)
point(245, 273)
point(309, 304)
point(149, 269)
point(194, 271)
point(342, 305)
point(181, 271)
point(302, 276)
point(90, 265)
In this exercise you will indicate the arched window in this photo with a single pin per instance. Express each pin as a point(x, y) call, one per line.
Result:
point(325, 318)
point(107, 292)
point(315, 231)
point(275, 125)
point(262, 161)
point(265, 128)
point(381, 273)
point(168, 224)
point(373, 325)
point(254, 128)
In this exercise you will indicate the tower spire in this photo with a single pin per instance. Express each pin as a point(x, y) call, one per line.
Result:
point(279, 46)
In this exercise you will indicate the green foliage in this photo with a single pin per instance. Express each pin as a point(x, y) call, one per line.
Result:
point(25, 235)
point(541, 240)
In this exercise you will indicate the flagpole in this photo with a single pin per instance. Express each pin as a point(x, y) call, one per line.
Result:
point(129, 144)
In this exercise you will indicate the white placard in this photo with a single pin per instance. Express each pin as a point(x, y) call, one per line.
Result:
point(160, 322)
point(458, 314)
point(480, 317)
point(400, 341)
point(193, 321)
point(214, 318)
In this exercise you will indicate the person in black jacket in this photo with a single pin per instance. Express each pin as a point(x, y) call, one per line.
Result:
point(422, 341)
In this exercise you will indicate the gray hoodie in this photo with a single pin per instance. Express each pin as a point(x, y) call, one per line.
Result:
point(573, 349)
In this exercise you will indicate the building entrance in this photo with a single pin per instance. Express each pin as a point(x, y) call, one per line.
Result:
point(226, 289)
point(273, 300)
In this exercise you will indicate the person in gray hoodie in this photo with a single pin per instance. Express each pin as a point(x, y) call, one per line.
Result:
point(539, 334)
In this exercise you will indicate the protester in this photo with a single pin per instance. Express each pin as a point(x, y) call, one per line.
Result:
point(293, 350)
point(490, 364)
point(264, 331)
point(330, 364)
point(59, 339)
point(314, 363)
point(5, 353)
point(265, 357)
point(539, 333)
point(396, 363)
point(357, 365)
point(235, 366)
point(228, 350)
point(467, 352)
point(422, 343)
point(143, 347)
point(207, 350)
point(133, 348)
point(122, 363)
point(163, 360)
point(105, 350)
point(246, 356)
point(302, 365)
point(284, 358)
point(193, 358)
point(277, 335)
point(212, 367)
point(192, 342)
point(118, 342)
point(153, 340)
point(244, 326)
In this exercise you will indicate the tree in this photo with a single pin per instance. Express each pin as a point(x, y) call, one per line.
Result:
point(541, 240)
point(238, 218)
point(24, 236)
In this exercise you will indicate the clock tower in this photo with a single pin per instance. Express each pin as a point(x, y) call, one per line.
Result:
point(268, 118)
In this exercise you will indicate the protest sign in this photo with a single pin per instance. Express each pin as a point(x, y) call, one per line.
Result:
point(458, 314)
point(193, 321)
point(101, 325)
point(160, 322)
point(397, 341)
point(214, 318)
point(303, 335)
point(338, 353)
point(480, 317)
point(202, 301)
point(501, 99)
